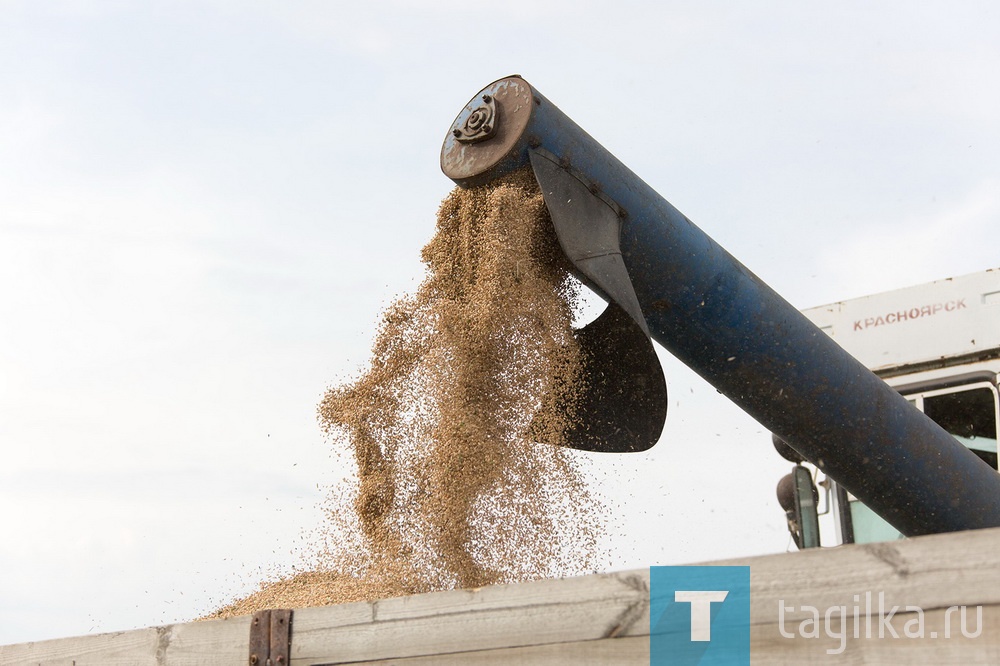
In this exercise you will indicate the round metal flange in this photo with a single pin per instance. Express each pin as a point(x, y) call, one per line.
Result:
point(487, 131)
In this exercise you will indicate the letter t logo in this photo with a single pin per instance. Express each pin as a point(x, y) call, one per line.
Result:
point(701, 610)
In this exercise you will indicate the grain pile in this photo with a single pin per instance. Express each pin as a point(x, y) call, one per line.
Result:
point(453, 488)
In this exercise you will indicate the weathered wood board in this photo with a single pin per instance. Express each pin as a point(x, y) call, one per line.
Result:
point(604, 618)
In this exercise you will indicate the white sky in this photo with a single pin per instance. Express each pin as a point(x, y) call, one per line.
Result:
point(204, 205)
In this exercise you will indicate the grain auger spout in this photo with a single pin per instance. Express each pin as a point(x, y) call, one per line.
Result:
point(666, 280)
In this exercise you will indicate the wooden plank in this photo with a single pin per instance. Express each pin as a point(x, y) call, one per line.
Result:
point(124, 648)
point(633, 650)
point(538, 612)
point(930, 572)
point(935, 571)
point(536, 618)
point(210, 643)
point(617, 585)
point(933, 646)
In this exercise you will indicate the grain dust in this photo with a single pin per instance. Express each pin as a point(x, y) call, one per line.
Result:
point(453, 488)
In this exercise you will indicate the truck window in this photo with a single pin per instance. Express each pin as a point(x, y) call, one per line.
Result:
point(969, 413)
point(970, 416)
point(868, 526)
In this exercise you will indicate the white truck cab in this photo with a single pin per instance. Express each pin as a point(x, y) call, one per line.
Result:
point(938, 344)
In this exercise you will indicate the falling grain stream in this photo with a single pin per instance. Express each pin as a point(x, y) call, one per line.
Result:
point(453, 488)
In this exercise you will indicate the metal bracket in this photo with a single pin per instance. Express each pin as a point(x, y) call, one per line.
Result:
point(481, 124)
point(588, 225)
point(270, 638)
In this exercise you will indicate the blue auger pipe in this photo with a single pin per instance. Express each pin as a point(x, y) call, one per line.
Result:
point(720, 319)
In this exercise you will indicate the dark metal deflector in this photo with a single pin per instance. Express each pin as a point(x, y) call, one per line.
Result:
point(624, 402)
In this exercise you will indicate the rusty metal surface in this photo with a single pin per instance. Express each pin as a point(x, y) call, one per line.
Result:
point(480, 160)
point(270, 638)
point(260, 638)
point(281, 636)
